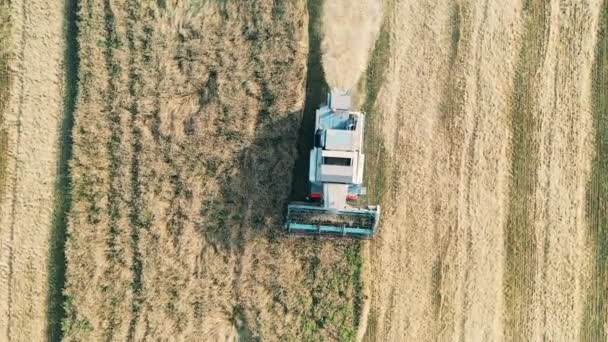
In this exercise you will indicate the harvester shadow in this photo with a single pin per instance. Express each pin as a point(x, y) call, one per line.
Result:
point(252, 201)
point(274, 168)
point(316, 93)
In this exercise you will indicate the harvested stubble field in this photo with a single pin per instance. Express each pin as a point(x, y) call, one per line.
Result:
point(31, 116)
point(493, 183)
point(486, 144)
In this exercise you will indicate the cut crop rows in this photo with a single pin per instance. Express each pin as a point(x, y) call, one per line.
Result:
point(520, 244)
point(596, 312)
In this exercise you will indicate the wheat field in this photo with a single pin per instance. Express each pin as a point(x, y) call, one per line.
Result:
point(148, 150)
point(494, 225)
point(185, 137)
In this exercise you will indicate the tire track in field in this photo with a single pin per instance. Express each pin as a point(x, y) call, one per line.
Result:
point(26, 215)
point(11, 253)
point(594, 326)
point(520, 241)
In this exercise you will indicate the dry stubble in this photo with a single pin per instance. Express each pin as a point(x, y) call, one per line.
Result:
point(489, 153)
point(32, 120)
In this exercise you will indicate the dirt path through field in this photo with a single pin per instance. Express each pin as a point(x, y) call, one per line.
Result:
point(26, 212)
point(488, 142)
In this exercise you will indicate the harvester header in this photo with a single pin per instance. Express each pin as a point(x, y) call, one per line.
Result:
point(335, 176)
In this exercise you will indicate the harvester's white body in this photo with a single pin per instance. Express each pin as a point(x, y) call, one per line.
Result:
point(336, 175)
point(337, 160)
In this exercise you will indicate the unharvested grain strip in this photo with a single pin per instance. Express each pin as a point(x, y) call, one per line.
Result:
point(136, 202)
point(116, 251)
point(114, 145)
point(88, 183)
point(148, 170)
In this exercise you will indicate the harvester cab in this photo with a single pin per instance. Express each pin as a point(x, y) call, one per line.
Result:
point(335, 176)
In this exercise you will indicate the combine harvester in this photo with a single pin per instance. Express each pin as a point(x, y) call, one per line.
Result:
point(336, 176)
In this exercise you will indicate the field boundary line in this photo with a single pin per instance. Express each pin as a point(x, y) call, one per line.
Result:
point(11, 248)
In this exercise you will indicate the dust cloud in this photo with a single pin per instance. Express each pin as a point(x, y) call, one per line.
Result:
point(349, 30)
